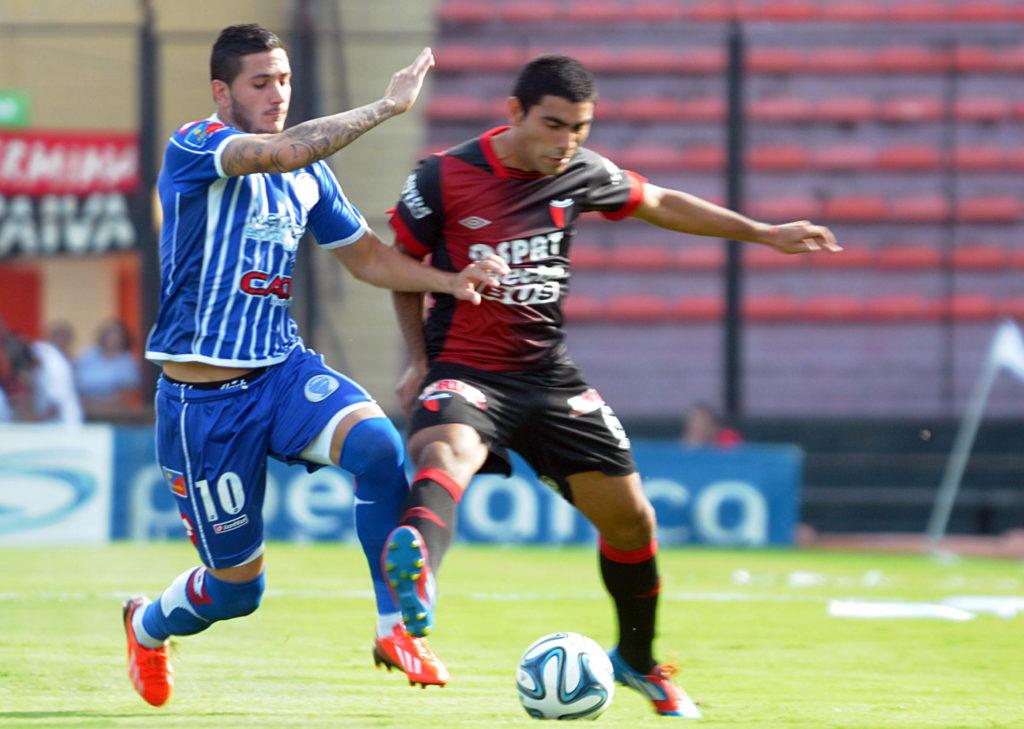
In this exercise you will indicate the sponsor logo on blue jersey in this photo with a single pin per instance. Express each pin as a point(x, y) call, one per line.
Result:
point(319, 387)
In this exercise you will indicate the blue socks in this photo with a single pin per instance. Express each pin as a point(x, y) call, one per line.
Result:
point(193, 602)
point(374, 453)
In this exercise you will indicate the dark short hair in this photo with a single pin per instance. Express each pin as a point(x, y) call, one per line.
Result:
point(234, 42)
point(554, 75)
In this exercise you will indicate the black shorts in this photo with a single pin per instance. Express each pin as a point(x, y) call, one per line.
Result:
point(552, 418)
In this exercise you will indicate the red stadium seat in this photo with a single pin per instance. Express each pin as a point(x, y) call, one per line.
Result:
point(784, 209)
point(696, 308)
point(987, 11)
point(857, 207)
point(465, 11)
point(775, 60)
point(917, 10)
point(588, 257)
point(1012, 307)
point(709, 11)
point(464, 108)
point(846, 157)
point(657, 11)
point(981, 257)
point(975, 58)
point(596, 11)
point(582, 308)
point(973, 307)
point(846, 109)
point(910, 157)
point(787, 10)
point(920, 209)
point(832, 307)
point(912, 59)
point(705, 157)
point(661, 109)
point(1011, 60)
point(779, 157)
point(839, 59)
point(650, 157)
point(909, 257)
point(992, 209)
point(699, 257)
point(475, 58)
point(1017, 257)
point(909, 109)
point(853, 10)
point(784, 108)
point(982, 158)
point(641, 258)
point(983, 109)
point(762, 257)
point(531, 12)
point(771, 308)
point(904, 307)
point(637, 307)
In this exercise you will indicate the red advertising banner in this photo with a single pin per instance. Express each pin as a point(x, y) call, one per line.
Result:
point(39, 163)
point(67, 192)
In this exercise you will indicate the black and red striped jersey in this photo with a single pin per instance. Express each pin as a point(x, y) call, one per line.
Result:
point(463, 205)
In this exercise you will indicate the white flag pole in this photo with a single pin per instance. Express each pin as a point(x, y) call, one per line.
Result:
point(999, 355)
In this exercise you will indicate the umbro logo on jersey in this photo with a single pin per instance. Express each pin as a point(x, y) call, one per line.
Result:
point(474, 223)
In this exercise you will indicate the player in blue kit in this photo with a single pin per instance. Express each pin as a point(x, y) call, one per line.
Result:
point(238, 193)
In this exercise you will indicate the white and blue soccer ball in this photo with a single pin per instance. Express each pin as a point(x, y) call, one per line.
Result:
point(565, 676)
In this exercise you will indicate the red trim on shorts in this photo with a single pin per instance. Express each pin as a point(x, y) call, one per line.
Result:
point(438, 476)
point(636, 196)
point(405, 236)
point(630, 556)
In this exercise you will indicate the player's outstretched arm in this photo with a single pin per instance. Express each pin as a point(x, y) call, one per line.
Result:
point(370, 260)
point(687, 213)
point(316, 139)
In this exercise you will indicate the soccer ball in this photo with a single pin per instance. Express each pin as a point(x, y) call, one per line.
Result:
point(565, 676)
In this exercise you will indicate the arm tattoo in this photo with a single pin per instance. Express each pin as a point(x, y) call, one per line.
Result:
point(304, 144)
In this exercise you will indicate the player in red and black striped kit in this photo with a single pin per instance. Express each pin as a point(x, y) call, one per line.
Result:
point(498, 376)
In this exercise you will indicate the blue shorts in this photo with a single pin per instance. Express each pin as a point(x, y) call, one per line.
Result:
point(212, 446)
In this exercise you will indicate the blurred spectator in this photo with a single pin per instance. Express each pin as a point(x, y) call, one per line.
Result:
point(702, 428)
point(41, 386)
point(108, 373)
point(62, 336)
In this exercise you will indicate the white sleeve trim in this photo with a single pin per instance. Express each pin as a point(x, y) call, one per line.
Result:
point(220, 150)
point(363, 230)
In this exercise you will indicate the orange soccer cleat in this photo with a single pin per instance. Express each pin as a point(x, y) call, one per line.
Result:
point(410, 655)
point(657, 686)
point(149, 668)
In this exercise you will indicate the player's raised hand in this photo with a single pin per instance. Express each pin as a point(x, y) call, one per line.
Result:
point(803, 236)
point(478, 275)
point(405, 85)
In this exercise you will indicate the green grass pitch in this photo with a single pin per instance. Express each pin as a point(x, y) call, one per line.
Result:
point(749, 629)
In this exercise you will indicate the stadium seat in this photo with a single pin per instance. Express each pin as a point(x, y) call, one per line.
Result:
point(699, 257)
point(856, 208)
point(920, 209)
point(464, 108)
point(832, 307)
point(911, 59)
point(838, 59)
point(637, 307)
point(912, 109)
point(474, 58)
point(775, 60)
point(786, 10)
point(782, 108)
point(696, 308)
point(709, 11)
point(588, 257)
point(846, 109)
point(988, 11)
point(657, 11)
point(990, 209)
point(649, 157)
point(983, 109)
point(1011, 60)
point(779, 307)
point(909, 157)
point(531, 12)
point(779, 157)
point(705, 157)
point(764, 258)
point(640, 257)
point(1012, 307)
point(909, 11)
point(846, 157)
point(784, 209)
point(852, 11)
point(904, 307)
point(981, 257)
point(661, 109)
point(982, 158)
point(973, 307)
point(909, 256)
point(596, 11)
point(975, 59)
point(465, 12)
point(583, 308)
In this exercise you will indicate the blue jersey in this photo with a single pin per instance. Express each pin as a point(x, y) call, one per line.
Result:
point(227, 250)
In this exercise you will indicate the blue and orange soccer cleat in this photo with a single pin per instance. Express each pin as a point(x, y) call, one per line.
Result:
point(149, 669)
point(657, 686)
point(410, 655)
point(409, 579)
